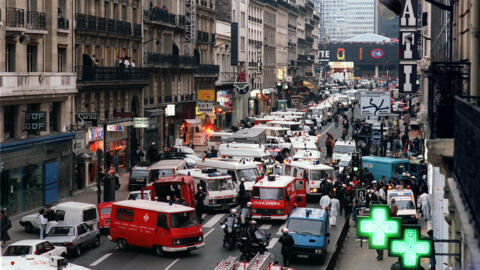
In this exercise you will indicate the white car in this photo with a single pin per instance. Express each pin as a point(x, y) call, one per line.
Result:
point(278, 143)
point(34, 247)
point(36, 262)
point(343, 150)
point(137, 195)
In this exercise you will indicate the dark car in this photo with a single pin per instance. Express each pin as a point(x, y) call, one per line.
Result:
point(138, 178)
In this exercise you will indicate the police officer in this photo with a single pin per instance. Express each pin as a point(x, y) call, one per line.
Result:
point(287, 242)
point(242, 193)
point(199, 197)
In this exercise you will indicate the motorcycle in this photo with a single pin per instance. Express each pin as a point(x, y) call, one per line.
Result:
point(258, 243)
point(229, 227)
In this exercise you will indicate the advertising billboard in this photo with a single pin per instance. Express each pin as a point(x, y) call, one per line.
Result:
point(224, 99)
point(360, 53)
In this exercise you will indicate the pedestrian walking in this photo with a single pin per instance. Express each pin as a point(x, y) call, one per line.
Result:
point(335, 118)
point(287, 243)
point(325, 202)
point(242, 193)
point(424, 201)
point(5, 225)
point(42, 223)
point(334, 207)
point(199, 197)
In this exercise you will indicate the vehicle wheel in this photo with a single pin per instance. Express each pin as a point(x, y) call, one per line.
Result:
point(28, 227)
point(77, 251)
point(158, 251)
point(122, 244)
point(96, 242)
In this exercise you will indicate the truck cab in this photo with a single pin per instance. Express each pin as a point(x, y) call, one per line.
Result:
point(309, 229)
point(314, 173)
point(220, 190)
point(275, 196)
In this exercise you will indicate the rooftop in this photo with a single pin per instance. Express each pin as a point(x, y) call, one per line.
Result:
point(369, 38)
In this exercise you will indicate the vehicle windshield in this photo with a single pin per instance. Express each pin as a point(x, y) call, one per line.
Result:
point(405, 205)
point(139, 174)
point(183, 220)
point(164, 172)
point(344, 149)
point(248, 174)
point(17, 251)
point(106, 211)
point(215, 139)
point(138, 196)
point(62, 231)
point(268, 193)
point(304, 226)
point(220, 184)
point(344, 163)
point(320, 174)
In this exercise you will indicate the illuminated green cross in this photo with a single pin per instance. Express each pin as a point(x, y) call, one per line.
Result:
point(378, 227)
point(410, 248)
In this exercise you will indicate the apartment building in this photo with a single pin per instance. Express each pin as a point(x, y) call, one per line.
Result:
point(37, 89)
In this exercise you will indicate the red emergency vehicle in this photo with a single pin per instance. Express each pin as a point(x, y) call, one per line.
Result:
point(274, 197)
point(180, 186)
point(104, 209)
point(157, 225)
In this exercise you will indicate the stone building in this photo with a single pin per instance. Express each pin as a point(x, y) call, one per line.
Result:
point(37, 88)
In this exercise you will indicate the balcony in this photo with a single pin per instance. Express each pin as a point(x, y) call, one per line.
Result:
point(15, 17)
point(137, 30)
point(292, 27)
point(302, 9)
point(169, 61)
point(103, 25)
point(81, 21)
point(310, 5)
point(91, 23)
point(123, 28)
point(63, 23)
point(160, 15)
point(207, 70)
point(36, 20)
point(110, 25)
point(35, 84)
point(316, 18)
point(465, 157)
point(102, 75)
point(301, 41)
point(309, 40)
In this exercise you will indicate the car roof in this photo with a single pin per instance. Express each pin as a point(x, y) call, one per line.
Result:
point(223, 163)
point(74, 205)
point(28, 242)
point(167, 164)
point(384, 159)
point(154, 206)
point(199, 174)
point(310, 166)
point(280, 181)
point(315, 213)
point(174, 179)
point(348, 143)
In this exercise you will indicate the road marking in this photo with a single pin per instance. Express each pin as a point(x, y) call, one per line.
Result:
point(205, 235)
point(101, 259)
point(272, 243)
point(265, 227)
point(213, 220)
point(170, 265)
point(323, 133)
point(279, 232)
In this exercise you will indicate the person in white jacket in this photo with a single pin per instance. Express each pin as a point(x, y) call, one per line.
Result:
point(424, 201)
point(42, 223)
point(334, 207)
point(325, 202)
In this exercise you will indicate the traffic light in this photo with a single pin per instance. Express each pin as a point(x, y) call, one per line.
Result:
point(356, 162)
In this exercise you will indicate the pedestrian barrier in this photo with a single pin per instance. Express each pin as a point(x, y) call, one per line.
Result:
point(332, 262)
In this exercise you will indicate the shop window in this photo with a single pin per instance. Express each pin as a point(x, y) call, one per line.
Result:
point(32, 186)
point(54, 115)
point(9, 116)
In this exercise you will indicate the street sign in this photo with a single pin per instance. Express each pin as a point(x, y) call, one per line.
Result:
point(375, 103)
point(140, 122)
point(410, 247)
point(379, 227)
point(205, 107)
point(376, 137)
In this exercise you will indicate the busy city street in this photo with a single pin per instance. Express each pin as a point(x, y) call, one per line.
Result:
point(239, 134)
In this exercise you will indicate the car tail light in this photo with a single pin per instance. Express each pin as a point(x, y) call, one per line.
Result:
point(211, 201)
point(35, 252)
point(69, 244)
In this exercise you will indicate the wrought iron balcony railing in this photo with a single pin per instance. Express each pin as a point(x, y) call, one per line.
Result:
point(104, 25)
point(466, 154)
point(208, 69)
point(63, 23)
point(137, 30)
point(160, 15)
point(15, 17)
point(98, 74)
point(169, 61)
point(36, 20)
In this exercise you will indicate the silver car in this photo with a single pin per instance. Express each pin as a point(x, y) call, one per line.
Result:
point(75, 237)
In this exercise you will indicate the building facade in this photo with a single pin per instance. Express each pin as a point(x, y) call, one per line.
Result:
point(359, 17)
point(37, 89)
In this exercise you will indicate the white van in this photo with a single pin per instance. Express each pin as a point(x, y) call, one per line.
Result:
point(247, 152)
point(67, 212)
point(343, 150)
point(167, 167)
point(220, 190)
point(316, 174)
point(294, 127)
point(217, 138)
point(237, 169)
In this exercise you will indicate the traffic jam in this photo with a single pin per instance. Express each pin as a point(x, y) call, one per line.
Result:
point(274, 193)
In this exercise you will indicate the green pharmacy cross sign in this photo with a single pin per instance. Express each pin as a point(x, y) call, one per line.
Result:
point(410, 247)
point(379, 227)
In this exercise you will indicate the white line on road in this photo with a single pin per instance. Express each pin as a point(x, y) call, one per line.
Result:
point(323, 133)
point(170, 265)
point(213, 220)
point(101, 259)
point(272, 243)
point(279, 232)
point(265, 227)
point(205, 235)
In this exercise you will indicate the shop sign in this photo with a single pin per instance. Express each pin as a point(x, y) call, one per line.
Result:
point(95, 134)
point(79, 141)
point(225, 98)
point(280, 74)
point(259, 60)
point(140, 122)
point(206, 95)
point(170, 110)
point(323, 55)
point(190, 16)
point(122, 114)
point(408, 51)
point(205, 107)
point(36, 121)
point(115, 128)
point(87, 118)
point(199, 139)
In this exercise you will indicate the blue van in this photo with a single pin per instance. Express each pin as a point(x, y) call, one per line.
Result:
point(309, 229)
point(385, 166)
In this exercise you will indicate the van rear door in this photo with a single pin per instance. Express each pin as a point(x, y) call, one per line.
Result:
point(300, 190)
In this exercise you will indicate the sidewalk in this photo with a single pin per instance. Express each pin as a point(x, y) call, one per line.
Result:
point(87, 195)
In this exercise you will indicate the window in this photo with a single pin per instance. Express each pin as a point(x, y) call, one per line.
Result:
point(299, 184)
point(54, 114)
point(60, 214)
point(162, 221)
point(242, 18)
point(124, 214)
point(62, 231)
point(62, 59)
point(33, 108)
point(89, 214)
point(183, 220)
point(81, 229)
point(10, 57)
point(31, 58)
point(18, 251)
point(62, 8)
point(268, 193)
point(106, 211)
point(124, 13)
point(9, 121)
point(242, 44)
